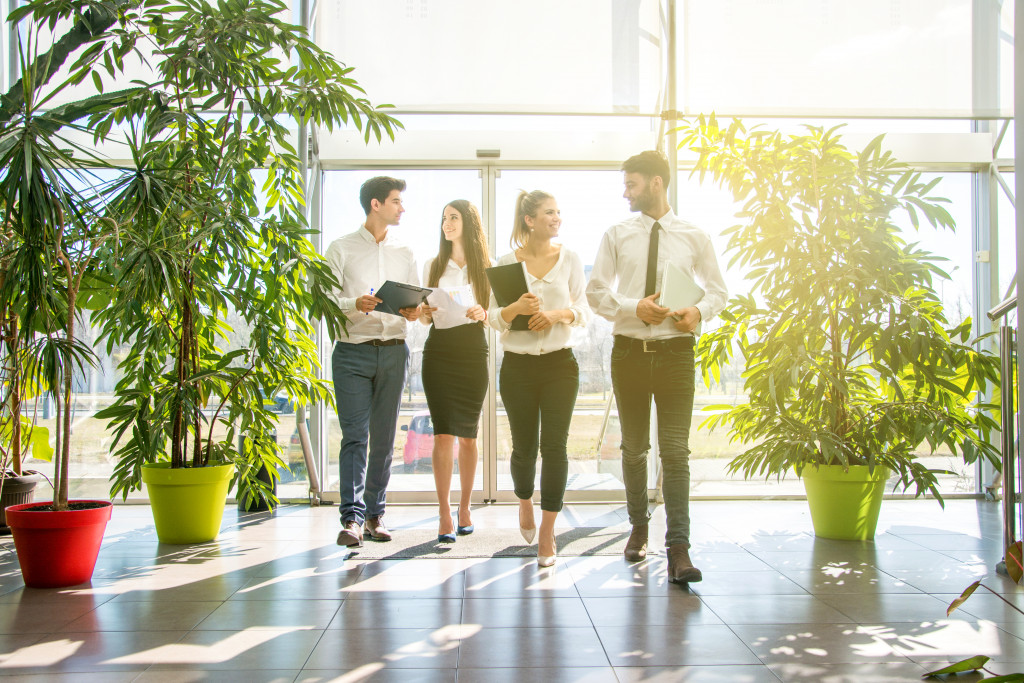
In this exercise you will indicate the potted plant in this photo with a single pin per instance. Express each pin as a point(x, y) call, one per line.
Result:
point(53, 249)
point(218, 288)
point(851, 368)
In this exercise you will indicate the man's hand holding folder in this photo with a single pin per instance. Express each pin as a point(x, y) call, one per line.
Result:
point(395, 298)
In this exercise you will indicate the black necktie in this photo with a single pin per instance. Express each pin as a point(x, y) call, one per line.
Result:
point(652, 261)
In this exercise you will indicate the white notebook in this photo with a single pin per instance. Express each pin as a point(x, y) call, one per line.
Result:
point(678, 290)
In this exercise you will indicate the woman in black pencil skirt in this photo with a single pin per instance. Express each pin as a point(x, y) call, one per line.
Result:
point(455, 358)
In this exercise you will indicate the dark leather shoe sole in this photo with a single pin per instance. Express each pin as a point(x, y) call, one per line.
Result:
point(380, 538)
point(688, 575)
point(349, 540)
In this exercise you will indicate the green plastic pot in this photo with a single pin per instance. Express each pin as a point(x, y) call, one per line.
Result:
point(844, 504)
point(187, 502)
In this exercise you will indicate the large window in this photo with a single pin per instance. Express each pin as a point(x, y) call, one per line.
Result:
point(498, 97)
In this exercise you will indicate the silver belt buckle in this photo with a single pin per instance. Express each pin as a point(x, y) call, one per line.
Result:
point(649, 350)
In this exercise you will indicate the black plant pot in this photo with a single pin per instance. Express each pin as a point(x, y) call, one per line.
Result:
point(15, 490)
point(257, 504)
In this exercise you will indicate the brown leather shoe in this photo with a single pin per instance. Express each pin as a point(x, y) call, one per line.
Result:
point(376, 530)
point(680, 569)
point(350, 534)
point(636, 546)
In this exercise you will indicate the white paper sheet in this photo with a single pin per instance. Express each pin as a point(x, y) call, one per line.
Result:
point(451, 304)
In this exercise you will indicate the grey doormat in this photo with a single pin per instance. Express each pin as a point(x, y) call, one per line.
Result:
point(422, 543)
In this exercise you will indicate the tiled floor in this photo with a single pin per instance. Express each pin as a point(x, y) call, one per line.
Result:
point(275, 600)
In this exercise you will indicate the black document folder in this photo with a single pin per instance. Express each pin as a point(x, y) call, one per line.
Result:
point(397, 295)
point(508, 283)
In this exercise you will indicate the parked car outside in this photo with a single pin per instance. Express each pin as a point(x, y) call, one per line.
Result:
point(419, 443)
point(294, 459)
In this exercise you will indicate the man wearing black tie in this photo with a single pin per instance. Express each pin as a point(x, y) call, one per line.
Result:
point(652, 356)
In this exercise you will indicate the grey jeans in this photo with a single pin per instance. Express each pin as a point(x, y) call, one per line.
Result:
point(665, 375)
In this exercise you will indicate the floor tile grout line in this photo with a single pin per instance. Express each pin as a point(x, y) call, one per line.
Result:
point(597, 634)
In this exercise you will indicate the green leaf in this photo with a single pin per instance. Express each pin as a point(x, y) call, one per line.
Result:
point(968, 592)
point(1014, 560)
point(40, 443)
point(964, 665)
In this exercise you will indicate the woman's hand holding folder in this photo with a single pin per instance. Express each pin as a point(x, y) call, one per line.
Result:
point(527, 304)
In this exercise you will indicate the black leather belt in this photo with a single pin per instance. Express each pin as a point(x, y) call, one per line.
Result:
point(383, 342)
point(655, 345)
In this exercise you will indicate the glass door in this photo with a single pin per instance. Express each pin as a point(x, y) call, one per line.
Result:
point(427, 192)
point(590, 201)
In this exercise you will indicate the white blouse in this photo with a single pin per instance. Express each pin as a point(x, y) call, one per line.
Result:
point(562, 287)
point(451, 277)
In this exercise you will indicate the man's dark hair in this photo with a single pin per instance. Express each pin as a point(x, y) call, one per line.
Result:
point(378, 188)
point(649, 164)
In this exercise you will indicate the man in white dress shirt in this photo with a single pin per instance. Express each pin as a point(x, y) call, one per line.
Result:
point(369, 363)
point(652, 356)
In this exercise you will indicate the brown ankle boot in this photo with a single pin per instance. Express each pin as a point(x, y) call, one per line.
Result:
point(680, 569)
point(636, 546)
point(351, 534)
point(376, 530)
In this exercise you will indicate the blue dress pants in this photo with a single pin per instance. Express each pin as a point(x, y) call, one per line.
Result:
point(368, 383)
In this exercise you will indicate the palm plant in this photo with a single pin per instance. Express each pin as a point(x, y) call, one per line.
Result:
point(18, 433)
point(182, 235)
point(198, 243)
point(52, 246)
point(848, 356)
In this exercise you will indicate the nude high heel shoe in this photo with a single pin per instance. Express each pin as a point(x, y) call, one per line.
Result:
point(528, 534)
point(545, 561)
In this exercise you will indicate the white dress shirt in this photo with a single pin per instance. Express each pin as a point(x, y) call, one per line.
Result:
point(451, 277)
point(561, 287)
point(361, 263)
point(619, 276)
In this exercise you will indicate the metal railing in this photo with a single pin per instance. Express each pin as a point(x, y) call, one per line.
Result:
point(1008, 443)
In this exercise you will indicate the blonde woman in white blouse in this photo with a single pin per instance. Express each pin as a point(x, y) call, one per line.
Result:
point(455, 359)
point(539, 374)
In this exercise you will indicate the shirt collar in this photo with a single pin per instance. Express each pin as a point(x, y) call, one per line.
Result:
point(549, 276)
point(649, 222)
point(368, 237)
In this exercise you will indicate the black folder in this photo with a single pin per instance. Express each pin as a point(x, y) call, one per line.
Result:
point(508, 283)
point(398, 295)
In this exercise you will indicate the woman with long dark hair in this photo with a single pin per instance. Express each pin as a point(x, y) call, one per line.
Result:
point(455, 359)
point(539, 374)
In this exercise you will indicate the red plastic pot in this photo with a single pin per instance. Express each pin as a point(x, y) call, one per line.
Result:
point(57, 549)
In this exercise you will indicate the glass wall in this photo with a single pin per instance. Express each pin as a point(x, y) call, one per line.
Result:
point(918, 70)
point(590, 202)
